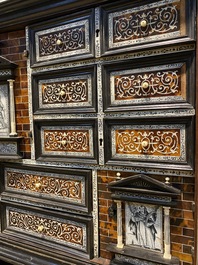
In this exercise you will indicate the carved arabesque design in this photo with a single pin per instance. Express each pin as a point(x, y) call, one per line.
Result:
point(157, 20)
point(64, 188)
point(52, 228)
point(153, 142)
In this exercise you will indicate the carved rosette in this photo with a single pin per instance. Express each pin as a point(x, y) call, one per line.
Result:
point(163, 142)
point(146, 85)
point(69, 188)
point(66, 232)
point(161, 19)
point(76, 141)
point(67, 40)
point(65, 92)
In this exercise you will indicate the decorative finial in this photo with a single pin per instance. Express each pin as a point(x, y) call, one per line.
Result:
point(118, 174)
point(167, 179)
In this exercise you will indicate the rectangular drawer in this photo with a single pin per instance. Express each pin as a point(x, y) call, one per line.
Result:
point(51, 187)
point(147, 23)
point(67, 140)
point(45, 229)
point(65, 91)
point(160, 143)
point(65, 38)
point(150, 83)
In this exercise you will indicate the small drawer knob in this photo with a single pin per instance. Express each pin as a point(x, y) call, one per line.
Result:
point(58, 42)
point(145, 85)
point(143, 23)
point(40, 228)
point(145, 143)
point(38, 185)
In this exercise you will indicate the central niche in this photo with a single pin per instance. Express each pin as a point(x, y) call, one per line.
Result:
point(143, 226)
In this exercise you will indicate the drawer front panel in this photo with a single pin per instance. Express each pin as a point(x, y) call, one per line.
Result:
point(59, 232)
point(62, 188)
point(66, 37)
point(161, 142)
point(143, 24)
point(66, 91)
point(75, 140)
point(150, 84)
point(156, 142)
point(72, 140)
point(67, 232)
point(143, 84)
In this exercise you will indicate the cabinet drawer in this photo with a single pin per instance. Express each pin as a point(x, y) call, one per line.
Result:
point(64, 38)
point(67, 233)
point(167, 143)
point(48, 186)
point(152, 83)
point(146, 23)
point(65, 91)
point(66, 140)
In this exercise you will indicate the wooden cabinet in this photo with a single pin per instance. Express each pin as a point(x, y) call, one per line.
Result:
point(110, 87)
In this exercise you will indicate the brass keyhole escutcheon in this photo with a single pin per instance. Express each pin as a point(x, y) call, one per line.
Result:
point(58, 42)
point(145, 143)
point(145, 85)
point(40, 228)
point(143, 23)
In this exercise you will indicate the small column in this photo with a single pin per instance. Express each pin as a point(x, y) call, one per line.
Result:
point(119, 225)
point(167, 252)
point(12, 109)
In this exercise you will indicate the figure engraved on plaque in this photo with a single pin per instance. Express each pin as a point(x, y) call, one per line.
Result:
point(144, 226)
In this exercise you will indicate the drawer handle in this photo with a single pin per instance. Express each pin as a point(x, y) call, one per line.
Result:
point(143, 23)
point(145, 85)
point(40, 228)
point(38, 185)
point(145, 143)
point(59, 42)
